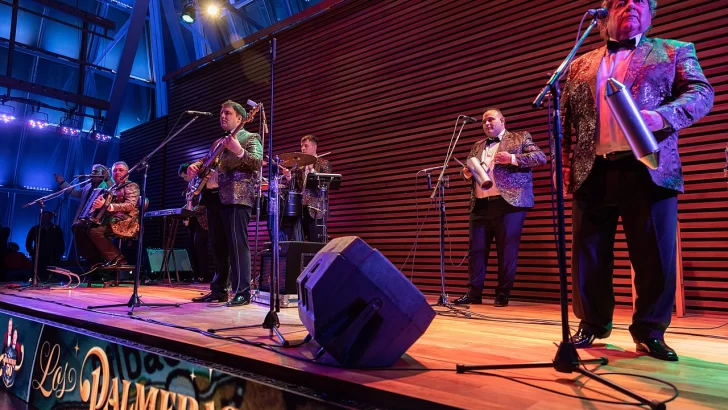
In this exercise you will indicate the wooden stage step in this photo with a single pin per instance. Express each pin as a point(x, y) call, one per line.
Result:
point(425, 377)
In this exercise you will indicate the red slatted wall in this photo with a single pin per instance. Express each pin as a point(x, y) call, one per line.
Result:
point(381, 83)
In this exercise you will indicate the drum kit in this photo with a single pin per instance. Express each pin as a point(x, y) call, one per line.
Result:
point(291, 203)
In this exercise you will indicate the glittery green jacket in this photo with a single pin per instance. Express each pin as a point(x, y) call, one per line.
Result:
point(237, 176)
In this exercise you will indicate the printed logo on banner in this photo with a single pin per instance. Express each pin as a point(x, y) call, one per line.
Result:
point(16, 357)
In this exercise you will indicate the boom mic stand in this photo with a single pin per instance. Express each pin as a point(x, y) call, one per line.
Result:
point(567, 359)
point(135, 300)
point(439, 194)
point(271, 321)
point(41, 201)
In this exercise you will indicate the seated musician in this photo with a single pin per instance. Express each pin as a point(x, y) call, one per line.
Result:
point(99, 179)
point(312, 214)
point(120, 219)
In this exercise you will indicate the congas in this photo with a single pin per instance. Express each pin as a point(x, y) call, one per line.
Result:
point(294, 204)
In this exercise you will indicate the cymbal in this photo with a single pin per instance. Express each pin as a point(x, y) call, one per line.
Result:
point(290, 159)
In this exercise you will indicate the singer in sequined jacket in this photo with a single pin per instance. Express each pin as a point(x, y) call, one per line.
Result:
point(664, 76)
point(515, 183)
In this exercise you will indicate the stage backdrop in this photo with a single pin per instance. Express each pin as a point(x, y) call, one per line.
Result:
point(380, 83)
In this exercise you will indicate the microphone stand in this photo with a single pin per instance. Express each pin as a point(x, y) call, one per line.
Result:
point(259, 193)
point(41, 201)
point(439, 194)
point(567, 359)
point(271, 321)
point(135, 300)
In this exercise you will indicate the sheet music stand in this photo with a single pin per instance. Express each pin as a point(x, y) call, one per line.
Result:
point(321, 182)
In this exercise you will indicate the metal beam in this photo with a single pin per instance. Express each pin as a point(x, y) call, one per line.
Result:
point(35, 51)
point(83, 15)
point(157, 57)
point(37, 103)
point(59, 21)
point(173, 22)
point(242, 15)
point(16, 84)
point(118, 89)
point(13, 30)
point(119, 35)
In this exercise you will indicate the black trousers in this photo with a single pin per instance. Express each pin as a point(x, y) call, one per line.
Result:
point(312, 232)
point(649, 217)
point(199, 240)
point(228, 230)
point(93, 243)
point(489, 220)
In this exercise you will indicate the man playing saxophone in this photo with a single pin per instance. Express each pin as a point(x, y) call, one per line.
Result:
point(499, 168)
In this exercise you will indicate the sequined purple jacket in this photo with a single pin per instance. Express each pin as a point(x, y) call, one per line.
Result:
point(514, 183)
point(664, 76)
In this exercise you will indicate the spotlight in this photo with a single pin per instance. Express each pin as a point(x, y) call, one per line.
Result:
point(102, 137)
point(213, 10)
point(6, 118)
point(73, 132)
point(188, 13)
point(38, 124)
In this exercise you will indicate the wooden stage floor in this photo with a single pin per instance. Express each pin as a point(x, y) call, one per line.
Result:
point(425, 377)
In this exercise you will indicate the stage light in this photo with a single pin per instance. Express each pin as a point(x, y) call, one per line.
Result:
point(213, 10)
point(73, 132)
point(6, 118)
point(102, 137)
point(188, 13)
point(38, 124)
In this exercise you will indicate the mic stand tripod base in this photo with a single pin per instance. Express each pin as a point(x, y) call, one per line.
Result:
point(135, 301)
point(567, 361)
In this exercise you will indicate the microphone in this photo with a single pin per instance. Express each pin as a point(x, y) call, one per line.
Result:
point(252, 103)
point(432, 169)
point(598, 13)
point(85, 176)
point(470, 120)
point(200, 113)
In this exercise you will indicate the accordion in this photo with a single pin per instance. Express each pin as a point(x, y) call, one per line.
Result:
point(93, 216)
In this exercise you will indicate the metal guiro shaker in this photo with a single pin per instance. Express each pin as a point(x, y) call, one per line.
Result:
point(640, 138)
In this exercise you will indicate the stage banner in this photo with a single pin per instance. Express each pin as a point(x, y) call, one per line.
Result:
point(57, 368)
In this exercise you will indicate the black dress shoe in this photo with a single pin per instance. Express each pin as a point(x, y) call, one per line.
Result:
point(583, 338)
point(212, 297)
point(239, 300)
point(466, 299)
point(501, 301)
point(657, 349)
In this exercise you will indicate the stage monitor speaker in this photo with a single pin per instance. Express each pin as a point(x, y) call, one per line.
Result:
point(180, 256)
point(294, 257)
point(359, 307)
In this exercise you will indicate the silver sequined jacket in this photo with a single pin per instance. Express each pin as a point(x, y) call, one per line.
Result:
point(514, 183)
point(664, 75)
point(237, 176)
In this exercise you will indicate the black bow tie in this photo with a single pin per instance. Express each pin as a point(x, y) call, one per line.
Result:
point(614, 46)
point(491, 140)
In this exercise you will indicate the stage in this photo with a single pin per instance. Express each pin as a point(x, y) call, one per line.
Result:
point(424, 378)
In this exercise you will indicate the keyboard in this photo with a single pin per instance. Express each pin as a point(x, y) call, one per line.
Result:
point(173, 213)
